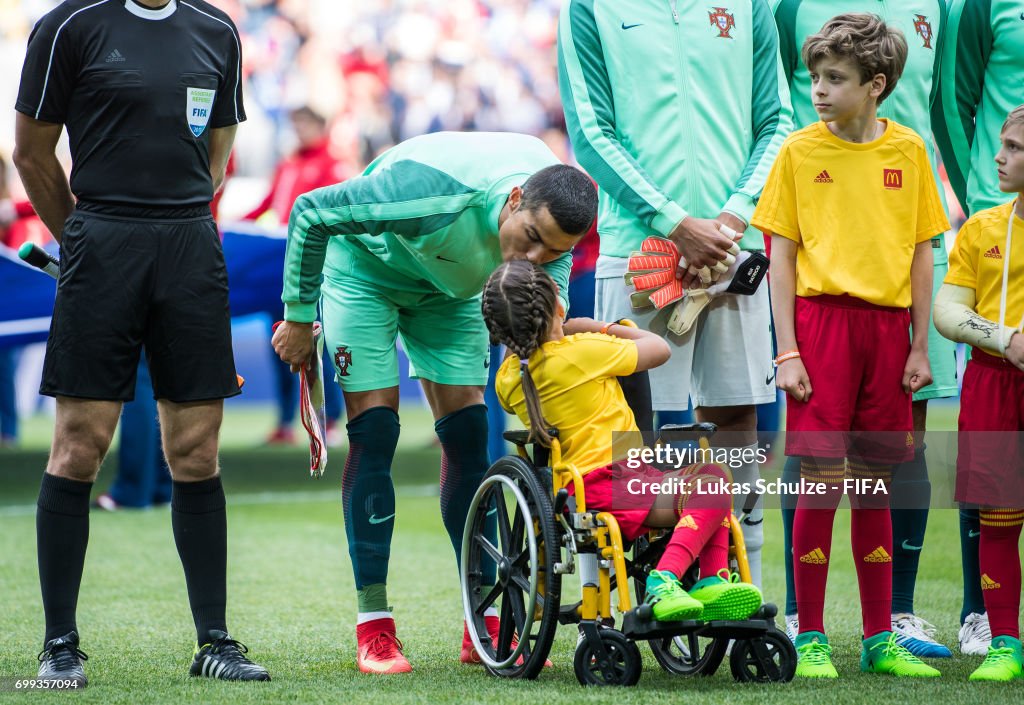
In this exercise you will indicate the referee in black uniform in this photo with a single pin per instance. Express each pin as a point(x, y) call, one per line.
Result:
point(150, 93)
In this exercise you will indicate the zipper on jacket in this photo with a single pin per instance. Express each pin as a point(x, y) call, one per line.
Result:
point(686, 114)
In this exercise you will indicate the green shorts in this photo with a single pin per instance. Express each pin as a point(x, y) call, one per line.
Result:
point(445, 338)
point(941, 352)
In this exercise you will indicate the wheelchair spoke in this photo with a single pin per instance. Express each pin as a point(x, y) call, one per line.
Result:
point(515, 597)
point(503, 526)
point(488, 547)
point(506, 630)
point(518, 529)
point(694, 648)
point(520, 580)
point(488, 600)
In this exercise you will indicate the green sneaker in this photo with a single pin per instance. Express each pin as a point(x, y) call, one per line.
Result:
point(1003, 662)
point(881, 654)
point(724, 597)
point(668, 599)
point(814, 656)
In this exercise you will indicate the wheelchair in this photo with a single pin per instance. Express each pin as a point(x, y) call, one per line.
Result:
point(544, 533)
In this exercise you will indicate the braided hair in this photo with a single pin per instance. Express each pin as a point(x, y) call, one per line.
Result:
point(518, 304)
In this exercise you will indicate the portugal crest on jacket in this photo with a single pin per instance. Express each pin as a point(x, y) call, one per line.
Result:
point(924, 29)
point(722, 21)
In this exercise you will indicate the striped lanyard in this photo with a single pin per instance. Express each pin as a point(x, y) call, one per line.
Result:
point(1004, 342)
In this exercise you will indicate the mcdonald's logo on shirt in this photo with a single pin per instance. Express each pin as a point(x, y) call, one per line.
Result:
point(893, 178)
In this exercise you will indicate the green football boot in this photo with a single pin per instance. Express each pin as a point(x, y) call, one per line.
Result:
point(814, 656)
point(724, 597)
point(1003, 662)
point(668, 600)
point(881, 654)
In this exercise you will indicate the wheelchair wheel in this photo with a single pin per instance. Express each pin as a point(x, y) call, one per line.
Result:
point(623, 663)
point(767, 659)
point(527, 590)
point(687, 654)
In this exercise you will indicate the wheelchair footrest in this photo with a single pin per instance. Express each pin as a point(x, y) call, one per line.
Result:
point(746, 629)
point(640, 629)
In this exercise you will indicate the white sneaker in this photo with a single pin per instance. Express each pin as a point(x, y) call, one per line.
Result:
point(792, 627)
point(918, 636)
point(975, 635)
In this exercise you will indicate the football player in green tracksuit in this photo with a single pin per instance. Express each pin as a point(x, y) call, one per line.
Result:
point(981, 81)
point(405, 249)
point(677, 110)
point(921, 22)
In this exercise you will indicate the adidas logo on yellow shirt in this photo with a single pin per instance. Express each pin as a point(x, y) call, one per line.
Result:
point(879, 555)
point(687, 522)
point(815, 557)
point(823, 177)
point(988, 583)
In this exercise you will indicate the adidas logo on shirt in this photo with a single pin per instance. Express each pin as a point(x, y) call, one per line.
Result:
point(879, 555)
point(687, 522)
point(994, 253)
point(815, 557)
point(115, 57)
point(823, 177)
point(988, 583)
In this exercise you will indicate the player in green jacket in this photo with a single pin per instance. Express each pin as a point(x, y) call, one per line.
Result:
point(921, 22)
point(405, 249)
point(677, 109)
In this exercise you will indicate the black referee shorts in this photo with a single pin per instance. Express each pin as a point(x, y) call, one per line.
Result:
point(128, 282)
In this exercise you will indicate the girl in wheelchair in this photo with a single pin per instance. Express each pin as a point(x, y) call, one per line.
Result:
point(564, 376)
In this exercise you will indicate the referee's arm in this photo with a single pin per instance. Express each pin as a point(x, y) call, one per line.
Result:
point(35, 157)
point(221, 139)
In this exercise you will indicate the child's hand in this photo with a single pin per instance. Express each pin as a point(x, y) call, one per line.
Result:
point(791, 377)
point(918, 372)
point(1015, 351)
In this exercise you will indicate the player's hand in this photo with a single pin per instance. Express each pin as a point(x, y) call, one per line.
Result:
point(917, 374)
point(791, 377)
point(293, 343)
point(703, 245)
point(573, 326)
point(1015, 351)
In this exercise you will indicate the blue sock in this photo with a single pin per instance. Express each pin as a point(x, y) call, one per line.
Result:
point(970, 533)
point(909, 495)
point(790, 475)
point(368, 496)
point(463, 436)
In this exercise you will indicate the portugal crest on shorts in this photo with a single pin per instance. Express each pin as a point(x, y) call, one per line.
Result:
point(924, 29)
point(198, 106)
point(722, 21)
point(342, 360)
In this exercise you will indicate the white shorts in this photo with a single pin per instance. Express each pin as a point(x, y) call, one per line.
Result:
point(724, 360)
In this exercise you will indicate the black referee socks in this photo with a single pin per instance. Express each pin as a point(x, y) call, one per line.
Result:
point(200, 525)
point(62, 534)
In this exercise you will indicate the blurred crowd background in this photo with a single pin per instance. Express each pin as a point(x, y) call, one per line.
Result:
point(380, 71)
point(329, 85)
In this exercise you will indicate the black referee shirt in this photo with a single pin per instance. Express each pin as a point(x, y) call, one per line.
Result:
point(139, 91)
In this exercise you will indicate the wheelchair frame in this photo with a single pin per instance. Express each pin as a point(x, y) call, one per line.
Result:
point(529, 565)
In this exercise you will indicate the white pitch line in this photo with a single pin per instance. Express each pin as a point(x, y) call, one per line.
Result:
point(257, 498)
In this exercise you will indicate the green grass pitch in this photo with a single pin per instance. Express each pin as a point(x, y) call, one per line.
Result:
point(291, 597)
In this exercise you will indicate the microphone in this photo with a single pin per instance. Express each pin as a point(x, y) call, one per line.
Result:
point(38, 257)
